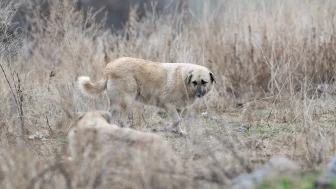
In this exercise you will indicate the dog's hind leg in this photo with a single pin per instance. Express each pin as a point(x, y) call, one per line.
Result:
point(119, 110)
point(124, 112)
point(137, 115)
point(116, 112)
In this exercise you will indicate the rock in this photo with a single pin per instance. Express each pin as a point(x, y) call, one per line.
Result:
point(331, 169)
point(243, 128)
point(322, 183)
point(276, 167)
point(244, 181)
point(37, 135)
point(329, 173)
point(322, 87)
point(191, 116)
point(205, 114)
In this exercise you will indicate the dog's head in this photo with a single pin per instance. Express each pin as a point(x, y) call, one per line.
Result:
point(200, 81)
point(94, 115)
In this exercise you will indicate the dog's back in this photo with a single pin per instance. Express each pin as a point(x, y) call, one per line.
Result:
point(126, 152)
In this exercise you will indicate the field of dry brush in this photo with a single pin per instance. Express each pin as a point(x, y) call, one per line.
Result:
point(275, 63)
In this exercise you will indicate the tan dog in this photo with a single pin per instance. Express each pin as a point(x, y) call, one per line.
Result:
point(97, 145)
point(94, 127)
point(170, 86)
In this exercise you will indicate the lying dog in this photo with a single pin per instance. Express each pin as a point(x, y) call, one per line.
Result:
point(97, 147)
point(170, 86)
point(94, 127)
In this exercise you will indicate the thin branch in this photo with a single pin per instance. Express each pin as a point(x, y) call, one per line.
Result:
point(10, 86)
point(50, 130)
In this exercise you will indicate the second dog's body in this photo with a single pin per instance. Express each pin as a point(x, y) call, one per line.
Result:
point(165, 85)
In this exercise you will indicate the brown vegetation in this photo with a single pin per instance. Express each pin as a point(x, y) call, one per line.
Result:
point(275, 68)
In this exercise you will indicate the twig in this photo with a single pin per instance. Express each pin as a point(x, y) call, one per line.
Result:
point(210, 180)
point(18, 97)
point(143, 117)
point(10, 86)
point(50, 130)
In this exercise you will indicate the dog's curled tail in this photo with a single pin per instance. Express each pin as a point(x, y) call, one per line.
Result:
point(86, 87)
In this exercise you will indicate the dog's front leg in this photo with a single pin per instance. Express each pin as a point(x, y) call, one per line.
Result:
point(118, 116)
point(171, 110)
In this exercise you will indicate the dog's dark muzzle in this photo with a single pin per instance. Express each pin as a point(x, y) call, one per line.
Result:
point(199, 92)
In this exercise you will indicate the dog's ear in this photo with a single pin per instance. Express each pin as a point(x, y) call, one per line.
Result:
point(79, 115)
point(106, 115)
point(212, 77)
point(188, 78)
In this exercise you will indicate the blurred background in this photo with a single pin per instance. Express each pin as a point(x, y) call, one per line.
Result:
point(114, 13)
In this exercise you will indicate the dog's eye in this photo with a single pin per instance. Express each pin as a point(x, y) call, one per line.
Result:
point(194, 83)
point(203, 82)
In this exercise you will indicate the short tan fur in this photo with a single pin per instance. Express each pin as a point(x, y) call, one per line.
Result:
point(170, 86)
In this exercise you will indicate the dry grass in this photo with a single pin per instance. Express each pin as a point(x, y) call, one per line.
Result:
point(275, 65)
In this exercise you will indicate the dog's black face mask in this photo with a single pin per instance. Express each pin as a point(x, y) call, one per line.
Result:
point(200, 85)
point(200, 88)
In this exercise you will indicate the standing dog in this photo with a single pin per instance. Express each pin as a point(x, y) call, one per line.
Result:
point(170, 86)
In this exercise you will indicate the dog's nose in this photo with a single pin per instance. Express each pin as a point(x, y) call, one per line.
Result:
point(198, 95)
